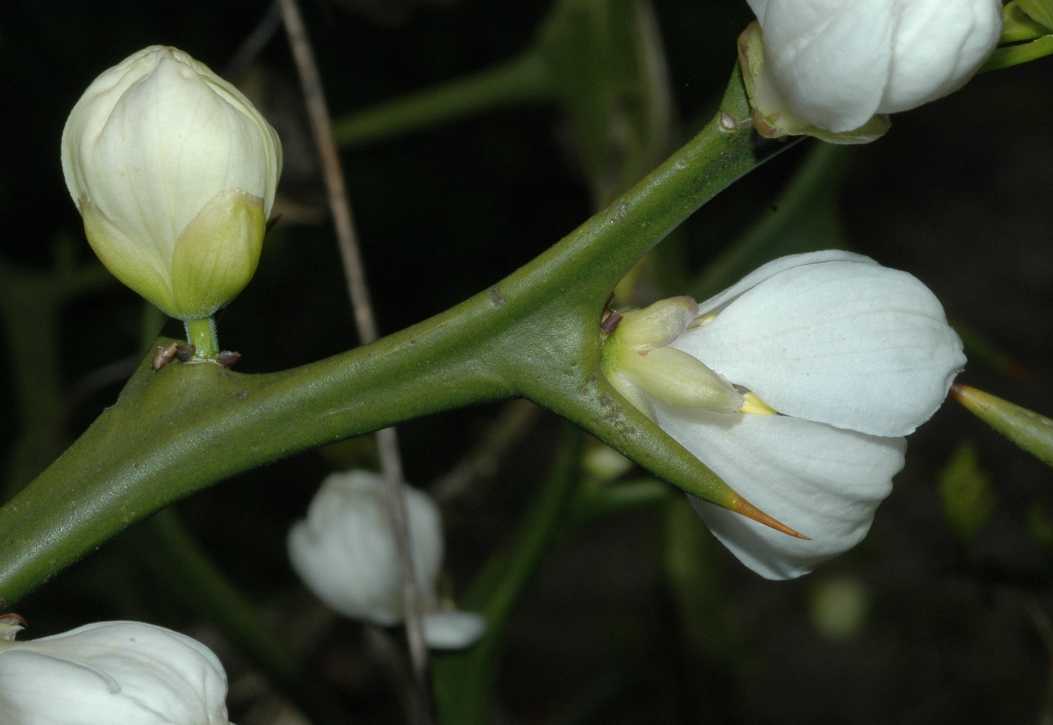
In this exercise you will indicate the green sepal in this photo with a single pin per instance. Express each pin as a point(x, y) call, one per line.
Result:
point(1029, 430)
point(1018, 26)
point(216, 254)
point(1041, 11)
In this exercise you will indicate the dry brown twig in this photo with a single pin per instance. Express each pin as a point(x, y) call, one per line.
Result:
point(362, 309)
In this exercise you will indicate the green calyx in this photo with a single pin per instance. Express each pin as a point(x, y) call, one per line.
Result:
point(216, 254)
point(639, 364)
point(212, 260)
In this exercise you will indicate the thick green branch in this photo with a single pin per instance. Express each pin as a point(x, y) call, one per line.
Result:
point(535, 334)
point(184, 427)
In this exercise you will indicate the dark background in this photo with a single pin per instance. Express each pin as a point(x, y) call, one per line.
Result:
point(959, 194)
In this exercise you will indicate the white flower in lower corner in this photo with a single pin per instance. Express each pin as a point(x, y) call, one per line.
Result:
point(346, 553)
point(796, 387)
point(111, 673)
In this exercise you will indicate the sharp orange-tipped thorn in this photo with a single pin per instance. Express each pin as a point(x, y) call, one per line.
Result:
point(741, 506)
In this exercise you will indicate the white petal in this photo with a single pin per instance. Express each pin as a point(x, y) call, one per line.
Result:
point(823, 482)
point(938, 47)
point(775, 267)
point(112, 672)
point(155, 138)
point(855, 345)
point(346, 554)
point(830, 58)
point(453, 629)
point(759, 7)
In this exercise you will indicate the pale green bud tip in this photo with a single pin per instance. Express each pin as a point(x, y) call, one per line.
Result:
point(174, 172)
point(657, 325)
point(641, 366)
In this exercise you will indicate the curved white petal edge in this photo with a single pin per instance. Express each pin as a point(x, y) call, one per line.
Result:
point(453, 629)
point(837, 358)
point(824, 482)
point(112, 672)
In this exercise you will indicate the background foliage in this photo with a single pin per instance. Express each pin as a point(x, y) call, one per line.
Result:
point(634, 617)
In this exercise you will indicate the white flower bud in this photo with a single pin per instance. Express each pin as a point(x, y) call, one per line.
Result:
point(837, 63)
point(112, 672)
point(346, 553)
point(174, 172)
point(841, 358)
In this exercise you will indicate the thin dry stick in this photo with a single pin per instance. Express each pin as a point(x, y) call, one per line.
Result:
point(387, 440)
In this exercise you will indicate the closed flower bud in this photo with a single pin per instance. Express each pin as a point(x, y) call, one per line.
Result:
point(111, 672)
point(174, 173)
point(346, 553)
point(830, 360)
point(834, 64)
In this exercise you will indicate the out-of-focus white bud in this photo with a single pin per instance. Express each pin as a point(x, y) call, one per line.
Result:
point(111, 672)
point(346, 553)
point(174, 172)
point(834, 64)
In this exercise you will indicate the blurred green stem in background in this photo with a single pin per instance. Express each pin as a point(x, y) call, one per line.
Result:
point(464, 680)
point(512, 84)
point(31, 305)
point(805, 217)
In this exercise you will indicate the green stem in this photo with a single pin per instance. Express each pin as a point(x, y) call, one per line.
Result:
point(535, 335)
point(520, 81)
point(176, 430)
point(202, 335)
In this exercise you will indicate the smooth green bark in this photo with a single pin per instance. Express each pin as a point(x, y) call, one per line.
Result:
point(535, 334)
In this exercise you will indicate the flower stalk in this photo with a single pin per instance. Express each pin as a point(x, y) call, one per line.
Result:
point(202, 335)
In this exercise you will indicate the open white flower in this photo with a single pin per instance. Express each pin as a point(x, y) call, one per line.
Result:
point(174, 172)
point(837, 63)
point(346, 553)
point(112, 672)
point(796, 387)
